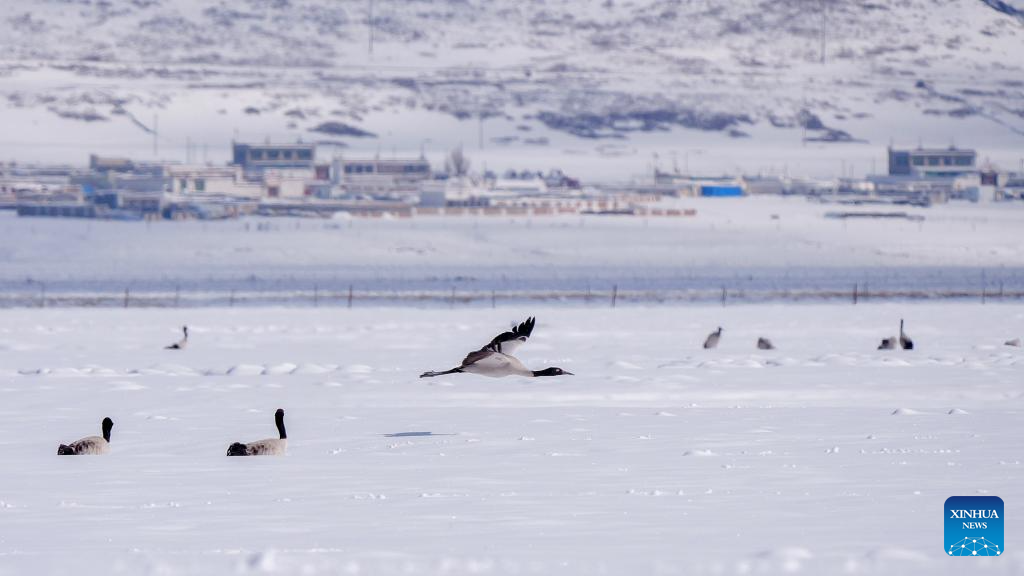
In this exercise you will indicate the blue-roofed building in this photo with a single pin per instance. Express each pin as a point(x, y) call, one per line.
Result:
point(710, 186)
point(721, 190)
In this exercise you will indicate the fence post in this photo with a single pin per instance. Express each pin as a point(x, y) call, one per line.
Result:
point(855, 294)
point(615, 294)
point(231, 301)
point(983, 287)
point(493, 300)
point(349, 295)
point(723, 296)
point(177, 295)
point(316, 295)
point(451, 301)
point(126, 297)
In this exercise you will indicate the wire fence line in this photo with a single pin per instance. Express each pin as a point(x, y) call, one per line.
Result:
point(611, 296)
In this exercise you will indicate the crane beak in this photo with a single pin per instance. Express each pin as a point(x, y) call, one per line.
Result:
point(567, 373)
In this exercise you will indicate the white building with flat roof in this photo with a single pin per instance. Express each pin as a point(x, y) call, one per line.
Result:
point(211, 181)
point(377, 176)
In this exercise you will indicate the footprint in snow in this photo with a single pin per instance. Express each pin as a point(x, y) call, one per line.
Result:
point(314, 368)
point(126, 386)
point(358, 369)
point(280, 369)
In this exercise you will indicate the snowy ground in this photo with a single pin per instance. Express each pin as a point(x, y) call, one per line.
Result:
point(657, 458)
point(730, 242)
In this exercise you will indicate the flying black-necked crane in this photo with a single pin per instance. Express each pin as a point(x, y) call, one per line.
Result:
point(496, 360)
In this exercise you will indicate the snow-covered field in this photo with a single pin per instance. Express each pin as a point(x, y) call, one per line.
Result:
point(822, 457)
point(734, 243)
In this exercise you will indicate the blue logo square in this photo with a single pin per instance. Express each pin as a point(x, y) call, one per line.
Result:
point(974, 526)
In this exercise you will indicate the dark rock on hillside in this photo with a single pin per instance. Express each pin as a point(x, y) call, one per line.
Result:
point(618, 124)
point(335, 128)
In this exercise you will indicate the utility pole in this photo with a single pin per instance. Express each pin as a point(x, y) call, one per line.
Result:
point(369, 25)
point(824, 29)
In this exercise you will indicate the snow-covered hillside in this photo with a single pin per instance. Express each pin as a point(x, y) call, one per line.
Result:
point(605, 85)
point(822, 457)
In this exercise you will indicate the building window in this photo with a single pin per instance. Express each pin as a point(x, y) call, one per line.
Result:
point(256, 154)
point(918, 161)
point(200, 185)
point(305, 154)
point(273, 154)
point(287, 154)
point(183, 184)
